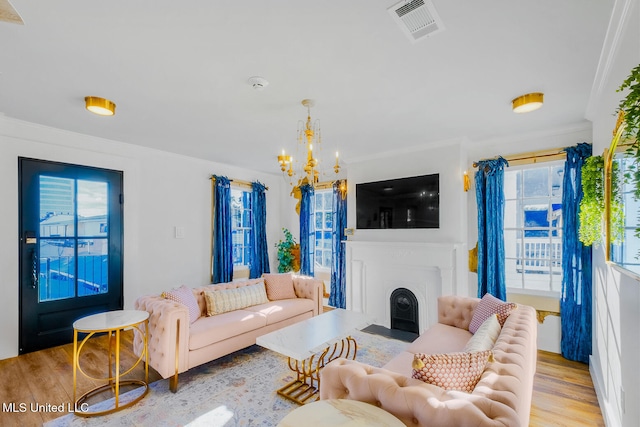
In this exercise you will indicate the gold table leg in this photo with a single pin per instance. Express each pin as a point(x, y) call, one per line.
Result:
point(305, 388)
point(114, 380)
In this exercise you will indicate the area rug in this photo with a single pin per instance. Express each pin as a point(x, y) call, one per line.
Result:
point(235, 390)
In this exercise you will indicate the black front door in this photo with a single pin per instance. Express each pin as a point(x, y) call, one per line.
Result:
point(70, 248)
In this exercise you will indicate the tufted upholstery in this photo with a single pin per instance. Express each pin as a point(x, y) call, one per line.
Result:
point(456, 311)
point(211, 337)
point(502, 397)
point(309, 288)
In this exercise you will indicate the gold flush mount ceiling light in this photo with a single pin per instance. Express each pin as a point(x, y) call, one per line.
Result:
point(100, 106)
point(528, 102)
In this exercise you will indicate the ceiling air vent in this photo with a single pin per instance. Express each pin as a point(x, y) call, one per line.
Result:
point(417, 18)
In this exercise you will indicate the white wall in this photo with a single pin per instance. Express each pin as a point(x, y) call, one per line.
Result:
point(161, 190)
point(616, 322)
point(448, 159)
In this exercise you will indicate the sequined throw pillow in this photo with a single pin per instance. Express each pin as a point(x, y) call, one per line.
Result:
point(451, 371)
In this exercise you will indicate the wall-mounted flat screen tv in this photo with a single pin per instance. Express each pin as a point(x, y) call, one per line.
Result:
point(399, 203)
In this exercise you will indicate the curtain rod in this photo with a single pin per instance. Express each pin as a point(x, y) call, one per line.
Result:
point(543, 155)
point(534, 156)
point(239, 182)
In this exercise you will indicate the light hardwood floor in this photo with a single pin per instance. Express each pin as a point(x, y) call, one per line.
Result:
point(563, 393)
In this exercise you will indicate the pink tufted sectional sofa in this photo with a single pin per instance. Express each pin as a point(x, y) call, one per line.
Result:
point(175, 345)
point(502, 397)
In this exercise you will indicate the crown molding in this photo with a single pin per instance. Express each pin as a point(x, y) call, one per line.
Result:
point(451, 142)
point(620, 18)
point(537, 134)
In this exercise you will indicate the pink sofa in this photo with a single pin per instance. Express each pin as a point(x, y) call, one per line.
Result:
point(502, 397)
point(175, 345)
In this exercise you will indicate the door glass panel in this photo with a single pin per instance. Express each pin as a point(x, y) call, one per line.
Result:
point(93, 264)
point(57, 247)
point(57, 269)
point(92, 208)
point(57, 207)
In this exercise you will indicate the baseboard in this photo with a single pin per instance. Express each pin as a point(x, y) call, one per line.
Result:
point(608, 415)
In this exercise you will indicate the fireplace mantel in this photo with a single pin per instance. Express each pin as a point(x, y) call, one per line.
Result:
point(375, 269)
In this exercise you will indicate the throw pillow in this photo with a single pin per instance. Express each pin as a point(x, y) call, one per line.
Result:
point(487, 306)
point(486, 335)
point(452, 371)
point(234, 299)
point(183, 295)
point(279, 286)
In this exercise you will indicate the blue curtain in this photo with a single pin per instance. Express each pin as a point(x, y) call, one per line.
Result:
point(575, 301)
point(259, 252)
point(338, 259)
point(306, 206)
point(222, 243)
point(490, 199)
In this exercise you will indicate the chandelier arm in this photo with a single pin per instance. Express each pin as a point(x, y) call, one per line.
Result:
point(307, 167)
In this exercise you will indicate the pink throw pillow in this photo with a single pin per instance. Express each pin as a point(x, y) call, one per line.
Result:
point(452, 371)
point(487, 306)
point(279, 286)
point(183, 295)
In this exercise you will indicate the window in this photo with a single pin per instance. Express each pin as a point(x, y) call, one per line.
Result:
point(533, 227)
point(322, 224)
point(241, 227)
point(627, 252)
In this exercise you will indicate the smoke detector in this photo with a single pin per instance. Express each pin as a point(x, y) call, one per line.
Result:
point(417, 18)
point(258, 83)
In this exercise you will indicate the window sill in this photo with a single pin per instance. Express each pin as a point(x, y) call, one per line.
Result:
point(548, 302)
point(623, 270)
point(545, 305)
point(241, 272)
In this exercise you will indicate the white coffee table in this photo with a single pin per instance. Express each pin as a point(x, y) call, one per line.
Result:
point(310, 345)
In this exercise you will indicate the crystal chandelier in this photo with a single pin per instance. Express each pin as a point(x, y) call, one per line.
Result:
point(305, 167)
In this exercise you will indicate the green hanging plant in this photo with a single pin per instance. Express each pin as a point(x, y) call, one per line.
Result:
point(592, 205)
point(288, 253)
point(630, 107)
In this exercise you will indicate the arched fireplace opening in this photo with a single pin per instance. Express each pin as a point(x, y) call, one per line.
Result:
point(404, 311)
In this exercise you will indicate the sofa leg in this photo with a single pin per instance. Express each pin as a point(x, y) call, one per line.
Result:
point(173, 381)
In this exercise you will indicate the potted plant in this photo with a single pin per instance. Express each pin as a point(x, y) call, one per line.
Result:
point(288, 253)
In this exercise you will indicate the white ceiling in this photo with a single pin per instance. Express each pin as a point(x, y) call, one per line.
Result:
point(178, 72)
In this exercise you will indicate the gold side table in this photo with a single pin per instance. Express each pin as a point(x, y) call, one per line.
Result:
point(112, 323)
